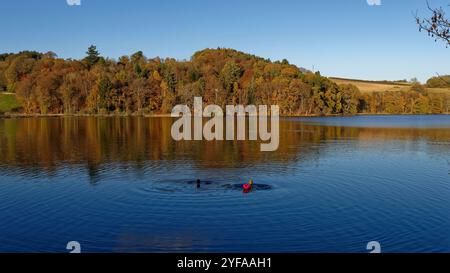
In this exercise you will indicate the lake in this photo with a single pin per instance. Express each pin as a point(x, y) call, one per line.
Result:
point(121, 184)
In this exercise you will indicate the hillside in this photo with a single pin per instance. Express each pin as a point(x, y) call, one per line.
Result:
point(135, 84)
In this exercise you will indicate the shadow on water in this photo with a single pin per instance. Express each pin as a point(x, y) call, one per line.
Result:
point(199, 182)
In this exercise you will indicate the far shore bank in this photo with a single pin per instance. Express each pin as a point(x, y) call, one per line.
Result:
point(21, 115)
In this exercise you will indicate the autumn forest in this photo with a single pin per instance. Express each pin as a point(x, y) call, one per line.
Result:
point(45, 84)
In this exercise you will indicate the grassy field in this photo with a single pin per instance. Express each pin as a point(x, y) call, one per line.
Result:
point(8, 102)
point(382, 86)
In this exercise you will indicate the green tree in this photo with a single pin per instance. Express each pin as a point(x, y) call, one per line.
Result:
point(104, 86)
point(350, 99)
point(230, 75)
point(93, 56)
point(138, 57)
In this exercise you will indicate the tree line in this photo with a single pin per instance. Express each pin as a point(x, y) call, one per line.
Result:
point(135, 84)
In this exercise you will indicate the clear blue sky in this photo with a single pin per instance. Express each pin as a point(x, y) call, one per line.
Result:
point(345, 38)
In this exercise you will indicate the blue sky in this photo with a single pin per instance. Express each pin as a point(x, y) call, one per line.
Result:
point(344, 38)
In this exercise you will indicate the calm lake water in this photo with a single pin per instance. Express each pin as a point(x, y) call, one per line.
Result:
point(123, 185)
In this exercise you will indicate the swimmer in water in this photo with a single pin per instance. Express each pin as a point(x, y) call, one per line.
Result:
point(248, 187)
point(198, 183)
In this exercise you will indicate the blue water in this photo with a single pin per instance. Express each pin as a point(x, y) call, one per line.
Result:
point(384, 121)
point(122, 185)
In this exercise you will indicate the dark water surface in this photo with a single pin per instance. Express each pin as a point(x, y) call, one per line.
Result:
point(123, 184)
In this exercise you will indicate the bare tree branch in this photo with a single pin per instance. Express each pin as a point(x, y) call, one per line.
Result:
point(437, 26)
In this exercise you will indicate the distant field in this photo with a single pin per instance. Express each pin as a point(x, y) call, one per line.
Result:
point(8, 102)
point(382, 86)
point(374, 86)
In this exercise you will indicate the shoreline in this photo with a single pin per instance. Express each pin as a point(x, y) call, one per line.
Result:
point(20, 115)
